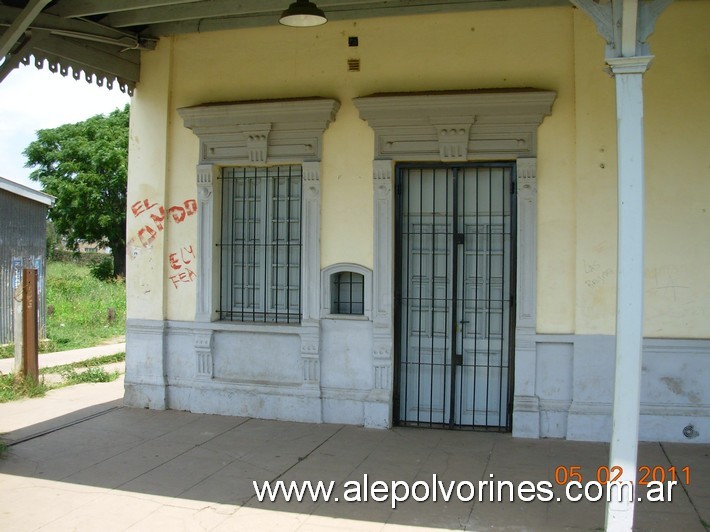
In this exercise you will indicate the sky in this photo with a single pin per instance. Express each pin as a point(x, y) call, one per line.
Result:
point(32, 99)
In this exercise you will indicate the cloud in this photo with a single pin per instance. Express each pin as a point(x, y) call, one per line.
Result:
point(32, 99)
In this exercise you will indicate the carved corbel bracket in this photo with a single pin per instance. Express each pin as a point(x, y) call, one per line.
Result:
point(257, 137)
point(453, 139)
point(310, 359)
point(203, 343)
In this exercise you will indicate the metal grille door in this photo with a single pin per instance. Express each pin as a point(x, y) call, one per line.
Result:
point(453, 300)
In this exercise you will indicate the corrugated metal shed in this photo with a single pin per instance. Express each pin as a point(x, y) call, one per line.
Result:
point(23, 218)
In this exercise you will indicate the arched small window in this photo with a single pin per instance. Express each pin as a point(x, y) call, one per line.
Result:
point(347, 293)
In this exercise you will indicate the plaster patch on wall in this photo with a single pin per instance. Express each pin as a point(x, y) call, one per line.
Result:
point(675, 385)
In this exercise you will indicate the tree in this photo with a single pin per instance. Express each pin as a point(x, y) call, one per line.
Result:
point(84, 165)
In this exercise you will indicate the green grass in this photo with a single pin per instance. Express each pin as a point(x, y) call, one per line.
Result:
point(80, 309)
point(95, 374)
point(14, 387)
point(90, 363)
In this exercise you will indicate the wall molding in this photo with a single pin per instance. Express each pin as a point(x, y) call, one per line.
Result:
point(258, 134)
point(673, 399)
point(458, 127)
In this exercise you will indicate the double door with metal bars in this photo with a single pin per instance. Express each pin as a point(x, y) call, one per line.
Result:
point(453, 300)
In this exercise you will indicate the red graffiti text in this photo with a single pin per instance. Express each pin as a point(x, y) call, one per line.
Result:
point(158, 215)
point(181, 262)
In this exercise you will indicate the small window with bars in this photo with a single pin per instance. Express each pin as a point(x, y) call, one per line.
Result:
point(347, 293)
point(261, 244)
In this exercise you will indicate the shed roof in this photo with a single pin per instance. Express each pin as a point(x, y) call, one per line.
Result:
point(103, 38)
point(26, 192)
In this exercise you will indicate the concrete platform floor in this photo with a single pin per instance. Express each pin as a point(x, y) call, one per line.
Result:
point(91, 464)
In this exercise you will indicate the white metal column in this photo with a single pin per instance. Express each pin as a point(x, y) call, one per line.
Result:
point(626, 25)
point(628, 74)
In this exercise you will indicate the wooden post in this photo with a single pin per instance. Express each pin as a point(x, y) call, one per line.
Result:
point(30, 362)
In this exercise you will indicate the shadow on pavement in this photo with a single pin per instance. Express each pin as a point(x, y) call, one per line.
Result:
point(214, 460)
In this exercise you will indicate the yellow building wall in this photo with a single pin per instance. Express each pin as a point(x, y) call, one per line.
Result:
point(677, 178)
point(147, 158)
point(595, 184)
point(677, 112)
point(552, 49)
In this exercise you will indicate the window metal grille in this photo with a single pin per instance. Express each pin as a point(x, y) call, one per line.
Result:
point(261, 244)
point(348, 293)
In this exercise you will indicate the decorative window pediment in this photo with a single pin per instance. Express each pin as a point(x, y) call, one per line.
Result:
point(456, 126)
point(254, 133)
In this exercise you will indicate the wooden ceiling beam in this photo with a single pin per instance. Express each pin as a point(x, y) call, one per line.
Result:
point(88, 8)
point(334, 10)
point(258, 12)
point(46, 21)
point(21, 22)
point(95, 59)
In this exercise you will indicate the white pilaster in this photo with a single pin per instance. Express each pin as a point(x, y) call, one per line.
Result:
point(310, 262)
point(310, 274)
point(378, 411)
point(383, 272)
point(207, 227)
point(526, 405)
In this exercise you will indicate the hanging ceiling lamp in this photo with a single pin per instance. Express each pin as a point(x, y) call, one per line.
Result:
point(303, 13)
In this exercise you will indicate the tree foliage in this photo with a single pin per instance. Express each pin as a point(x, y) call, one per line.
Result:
point(84, 165)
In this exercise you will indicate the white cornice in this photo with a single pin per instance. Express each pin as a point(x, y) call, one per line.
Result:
point(260, 132)
point(495, 124)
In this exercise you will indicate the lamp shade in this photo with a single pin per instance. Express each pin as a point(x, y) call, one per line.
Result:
point(303, 13)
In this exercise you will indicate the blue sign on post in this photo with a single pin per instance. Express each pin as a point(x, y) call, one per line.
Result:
point(16, 272)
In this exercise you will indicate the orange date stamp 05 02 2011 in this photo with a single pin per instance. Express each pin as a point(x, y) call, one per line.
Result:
point(565, 474)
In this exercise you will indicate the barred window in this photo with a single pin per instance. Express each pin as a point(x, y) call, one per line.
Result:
point(261, 244)
point(348, 293)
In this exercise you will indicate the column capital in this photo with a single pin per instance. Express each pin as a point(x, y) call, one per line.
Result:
point(311, 171)
point(526, 170)
point(383, 170)
point(629, 65)
point(206, 174)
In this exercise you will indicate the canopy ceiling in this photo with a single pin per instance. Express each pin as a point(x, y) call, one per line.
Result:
point(101, 40)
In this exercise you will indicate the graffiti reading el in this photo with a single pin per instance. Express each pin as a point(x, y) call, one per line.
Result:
point(158, 214)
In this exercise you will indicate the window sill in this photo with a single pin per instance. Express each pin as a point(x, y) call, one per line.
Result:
point(346, 317)
point(250, 327)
